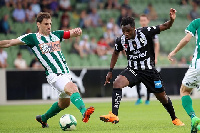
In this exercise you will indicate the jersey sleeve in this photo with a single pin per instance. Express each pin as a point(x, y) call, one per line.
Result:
point(151, 31)
point(192, 27)
point(118, 45)
point(59, 34)
point(155, 39)
point(27, 39)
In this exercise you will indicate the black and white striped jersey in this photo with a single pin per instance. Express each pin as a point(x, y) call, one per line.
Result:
point(140, 50)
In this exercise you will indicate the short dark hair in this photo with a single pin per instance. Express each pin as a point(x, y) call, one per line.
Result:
point(128, 20)
point(144, 15)
point(43, 15)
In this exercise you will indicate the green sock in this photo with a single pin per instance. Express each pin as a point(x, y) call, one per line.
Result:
point(54, 110)
point(187, 105)
point(78, 102)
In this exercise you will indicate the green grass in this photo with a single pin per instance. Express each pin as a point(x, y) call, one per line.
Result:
point(151, 118)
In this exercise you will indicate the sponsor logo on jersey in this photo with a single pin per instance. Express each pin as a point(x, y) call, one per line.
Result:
point(50, 47)
point(158, 84)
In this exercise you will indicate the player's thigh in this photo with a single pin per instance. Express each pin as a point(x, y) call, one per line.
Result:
point(152, 80)
point(63, 102)
point(120, 82)
point(127, 77)
point(191, 80)
point(59, 83)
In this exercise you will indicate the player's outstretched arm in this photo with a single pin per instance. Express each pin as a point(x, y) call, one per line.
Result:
point(75, 32)
point(181, 44)
point(9, 43)
point(169, 23)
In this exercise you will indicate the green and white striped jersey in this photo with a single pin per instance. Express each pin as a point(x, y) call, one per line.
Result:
point(48, 50)
point(194, 29)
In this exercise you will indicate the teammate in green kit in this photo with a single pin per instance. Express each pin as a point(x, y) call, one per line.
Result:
point(192, 76)
point(47, 48)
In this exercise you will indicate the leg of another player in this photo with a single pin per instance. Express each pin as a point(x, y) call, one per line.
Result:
point(72, 90)
point(187, 105)
point(166, 102)
point(148, 98)
point(139, 101)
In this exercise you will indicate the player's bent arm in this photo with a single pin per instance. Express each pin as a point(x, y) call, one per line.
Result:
point(183, 42)
point(169, 23)
point(9, 43)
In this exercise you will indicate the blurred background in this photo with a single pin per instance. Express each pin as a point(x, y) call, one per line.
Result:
point(100, 22)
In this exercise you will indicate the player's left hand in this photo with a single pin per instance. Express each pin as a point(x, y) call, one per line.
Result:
point(171, 56)
point(76, 32)
point(172, 13)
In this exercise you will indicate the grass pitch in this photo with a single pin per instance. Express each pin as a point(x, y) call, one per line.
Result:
point(142, 118)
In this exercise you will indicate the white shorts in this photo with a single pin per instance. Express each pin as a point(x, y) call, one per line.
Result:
point(58, 82)
point(192, 78)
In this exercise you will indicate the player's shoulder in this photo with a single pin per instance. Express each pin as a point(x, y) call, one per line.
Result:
point(29, 35)
point(120, 38)
point(196, 21)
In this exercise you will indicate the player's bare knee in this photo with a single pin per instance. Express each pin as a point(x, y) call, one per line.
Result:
point(185, 90)
point(117, 84)
point(71, 88)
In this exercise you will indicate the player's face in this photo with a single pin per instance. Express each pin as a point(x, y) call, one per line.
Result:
point(144, 21)
point(128, 31)
point(45, 26)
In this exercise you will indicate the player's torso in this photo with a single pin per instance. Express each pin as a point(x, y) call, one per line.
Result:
point(195, 63)
point(48, 51)
point(139, 51)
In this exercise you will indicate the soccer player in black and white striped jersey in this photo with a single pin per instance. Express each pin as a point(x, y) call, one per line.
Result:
point(138, 45)
point(144, 22)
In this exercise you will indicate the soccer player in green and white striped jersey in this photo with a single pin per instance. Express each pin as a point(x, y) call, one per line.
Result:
point(46, 47)
point(192, 76)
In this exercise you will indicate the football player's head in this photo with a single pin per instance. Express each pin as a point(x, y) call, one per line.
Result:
point(44, 23)
point(128, 27)
point(144, 20)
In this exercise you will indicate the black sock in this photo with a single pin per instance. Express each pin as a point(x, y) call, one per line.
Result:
point(170, 109)
point(148, 95)
point(116, 98)
point(138, 86)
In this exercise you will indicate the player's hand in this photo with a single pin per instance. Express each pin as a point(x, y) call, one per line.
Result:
point(76, 32)
point(172, 14)
point(171, 56)
point(108, 78)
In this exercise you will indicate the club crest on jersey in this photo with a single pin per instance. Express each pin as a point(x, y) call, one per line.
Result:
point(50, 47)
point(126, 46)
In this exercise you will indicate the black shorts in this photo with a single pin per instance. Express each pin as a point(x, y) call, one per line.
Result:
point(150, 78)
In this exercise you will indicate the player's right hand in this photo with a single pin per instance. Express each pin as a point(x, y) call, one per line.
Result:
point(171, 56)
point(108, 78)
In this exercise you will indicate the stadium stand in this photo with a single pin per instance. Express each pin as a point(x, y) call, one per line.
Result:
point(168, 40)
